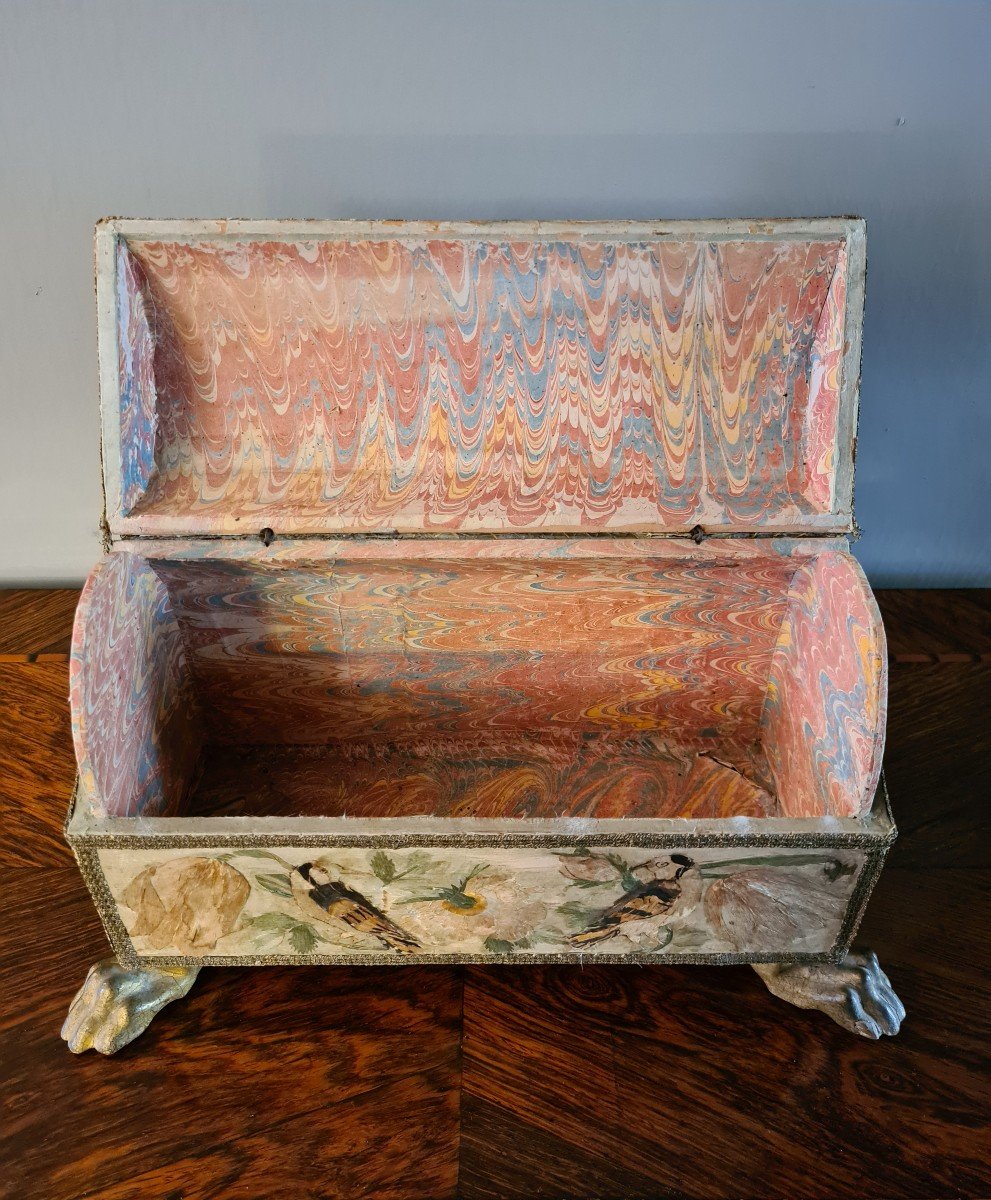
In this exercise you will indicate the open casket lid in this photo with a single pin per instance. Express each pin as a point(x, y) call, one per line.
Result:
point(392, 377)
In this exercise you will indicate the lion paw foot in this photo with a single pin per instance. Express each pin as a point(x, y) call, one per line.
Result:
point(854, 992)
point(115, 1004)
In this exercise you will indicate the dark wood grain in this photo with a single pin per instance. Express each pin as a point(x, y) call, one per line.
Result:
point(937, 622)
point(700, 1088)
point(608, 1082)
point(345, 1082)
point(37, 767)
point(938, 763)
point(35, 622)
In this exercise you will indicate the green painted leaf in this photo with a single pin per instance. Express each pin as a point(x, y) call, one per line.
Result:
point(834, 868)
point(591, 883)
point(303, 938)
point(273, 922)
point(416, 863)
point(477, 869)
point(456, 897)
point(498, 946)
point(453, 894)
point(627, 879)
point(691, 939)
point(574, 910)
point(383, 866)
point(277, 883)
point(550, 936)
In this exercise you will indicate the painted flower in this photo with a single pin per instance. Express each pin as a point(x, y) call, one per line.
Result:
point(759, 908)
point(482, 910)
point(589, 868)
point(186, 904)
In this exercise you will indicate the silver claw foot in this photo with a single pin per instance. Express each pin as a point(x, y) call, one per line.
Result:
point(116, 1005)
point(855, 992)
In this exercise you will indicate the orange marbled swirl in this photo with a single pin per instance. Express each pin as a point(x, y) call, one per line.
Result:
point(479, 385)
point(407, 650)
point(647, 682)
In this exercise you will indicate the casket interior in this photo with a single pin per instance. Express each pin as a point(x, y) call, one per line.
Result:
point(517, 412)
point(425, 680)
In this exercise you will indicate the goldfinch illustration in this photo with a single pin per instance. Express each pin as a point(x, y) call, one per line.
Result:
point(332, 902)
point(670, 887)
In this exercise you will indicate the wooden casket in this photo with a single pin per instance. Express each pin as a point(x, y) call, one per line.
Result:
point(479, 593)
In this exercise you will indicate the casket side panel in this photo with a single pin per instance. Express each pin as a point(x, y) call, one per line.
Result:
point(240, 904)
point(825, 714)
point(135, 720)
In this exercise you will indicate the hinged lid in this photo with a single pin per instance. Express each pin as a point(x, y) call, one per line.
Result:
point(345, 377)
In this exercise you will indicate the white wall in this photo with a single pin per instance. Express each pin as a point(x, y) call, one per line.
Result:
point(510, 109)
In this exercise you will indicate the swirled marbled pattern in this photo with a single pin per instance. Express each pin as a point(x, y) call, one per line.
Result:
point(403, 650)
point(134, 719)
point(823, 727)
point(138, 398)
point(771, 326)
point(825, 382)
point(480, 385)
point(488, 776)
point(740, 685)
point(737, 685)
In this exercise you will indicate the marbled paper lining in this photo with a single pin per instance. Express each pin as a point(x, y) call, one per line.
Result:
point(479, 385)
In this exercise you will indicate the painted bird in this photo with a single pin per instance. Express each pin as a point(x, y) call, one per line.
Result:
point(670, 887)
point(325, 899)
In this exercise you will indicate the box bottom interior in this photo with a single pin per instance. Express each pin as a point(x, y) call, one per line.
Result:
point(541, 777)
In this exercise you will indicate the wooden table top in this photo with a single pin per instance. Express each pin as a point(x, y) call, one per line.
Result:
point(437, 1082)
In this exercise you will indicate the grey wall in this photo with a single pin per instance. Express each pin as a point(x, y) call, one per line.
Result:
point(510, 109)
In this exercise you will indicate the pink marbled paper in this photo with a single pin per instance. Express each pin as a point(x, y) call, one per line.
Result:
point(480, 385)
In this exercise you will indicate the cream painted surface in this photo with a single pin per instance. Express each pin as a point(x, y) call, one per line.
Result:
point(437, 901)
